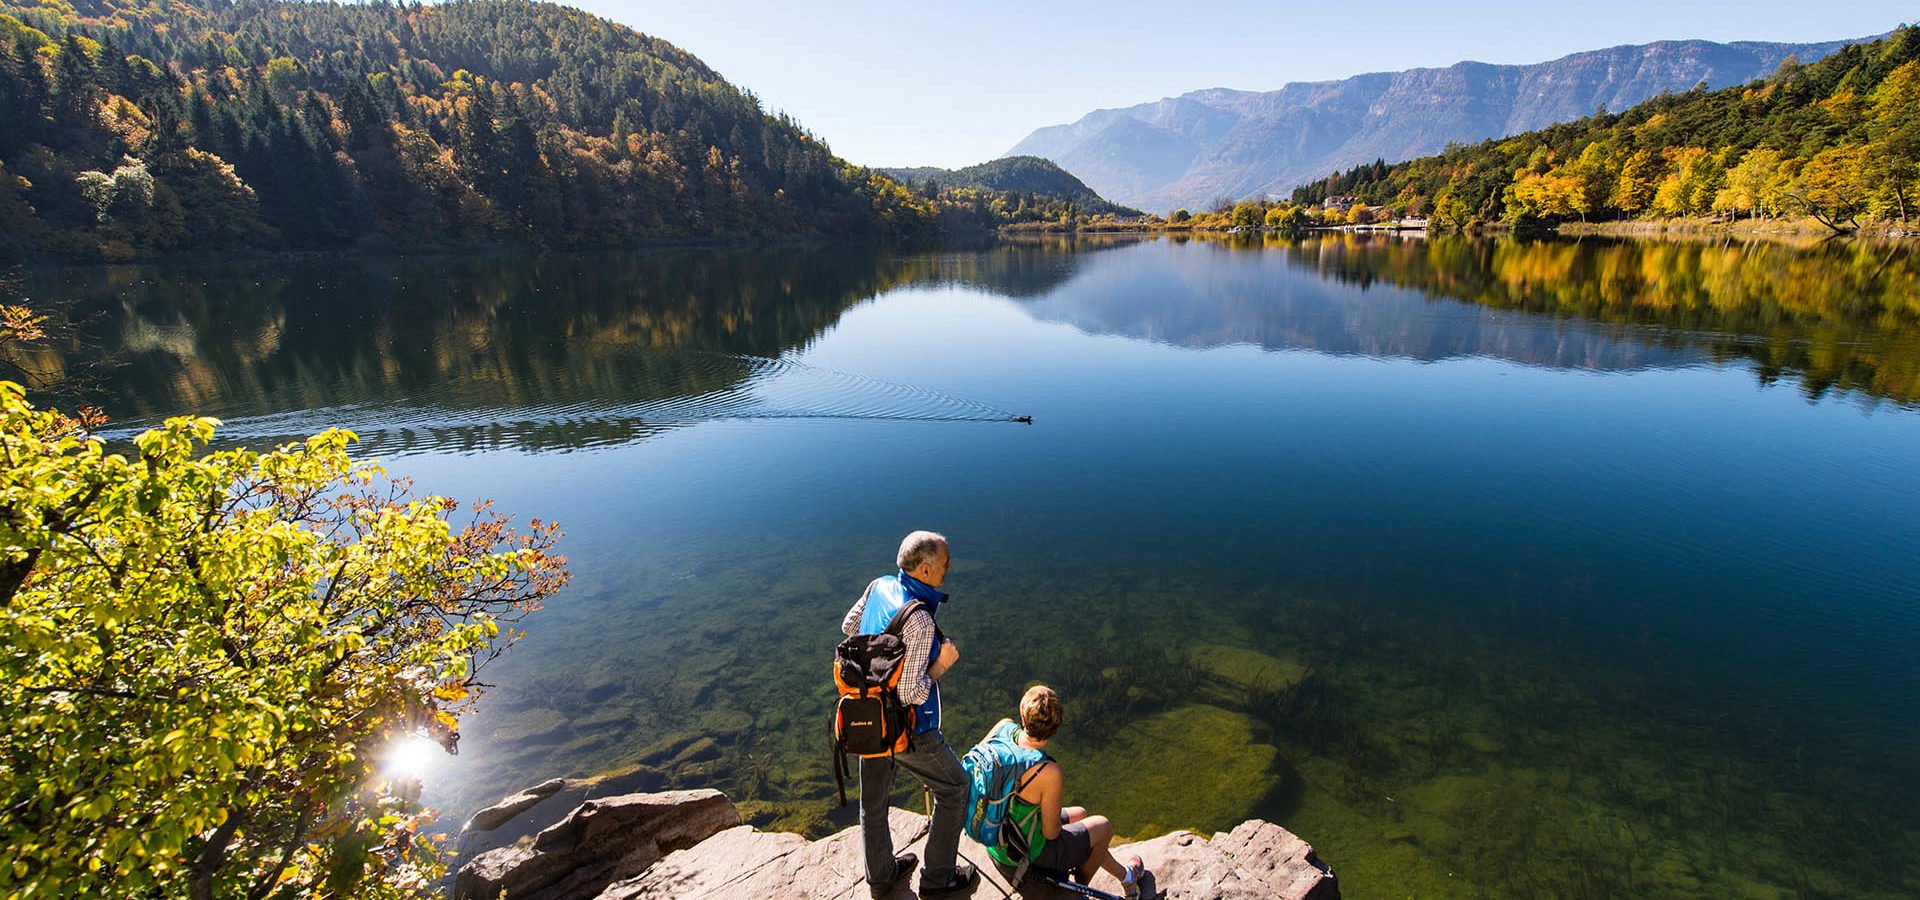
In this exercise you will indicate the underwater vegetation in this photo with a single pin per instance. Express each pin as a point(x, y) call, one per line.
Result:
point(1420, 758)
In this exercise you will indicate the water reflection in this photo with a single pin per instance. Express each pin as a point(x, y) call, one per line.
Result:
point(460, 353)
point(568, 351)
point(1331, 295)
point(1833, 315)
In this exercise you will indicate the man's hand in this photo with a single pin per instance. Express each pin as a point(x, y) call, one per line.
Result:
point(949, 651)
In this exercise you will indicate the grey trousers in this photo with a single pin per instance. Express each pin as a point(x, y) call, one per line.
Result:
point(929, 759)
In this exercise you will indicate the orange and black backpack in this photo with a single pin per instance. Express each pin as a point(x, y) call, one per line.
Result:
point(870, 720)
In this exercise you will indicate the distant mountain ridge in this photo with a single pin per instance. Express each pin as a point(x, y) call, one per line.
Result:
point(1186, 151)
point(1022, 174)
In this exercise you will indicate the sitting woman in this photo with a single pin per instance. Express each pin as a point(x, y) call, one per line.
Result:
point(1057, 839)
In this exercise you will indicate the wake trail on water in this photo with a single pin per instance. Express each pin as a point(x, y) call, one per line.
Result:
point(745, 387)
point(780, 388)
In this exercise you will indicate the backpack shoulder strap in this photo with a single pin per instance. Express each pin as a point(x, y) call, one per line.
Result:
point(1033, 772)
point(899, 622)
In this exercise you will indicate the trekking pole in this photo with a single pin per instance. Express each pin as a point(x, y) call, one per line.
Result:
point(1079, 888)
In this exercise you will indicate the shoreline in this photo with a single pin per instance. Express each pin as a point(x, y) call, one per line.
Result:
point(1682, 229)
point(508, 248)
point(561, 840)
point(1745, 228)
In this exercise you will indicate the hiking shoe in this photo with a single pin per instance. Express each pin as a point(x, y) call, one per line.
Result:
point(964, 877)
point(1130, 885)
point(902, 867)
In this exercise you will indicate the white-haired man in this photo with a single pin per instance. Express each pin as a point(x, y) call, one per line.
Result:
point(924, 561)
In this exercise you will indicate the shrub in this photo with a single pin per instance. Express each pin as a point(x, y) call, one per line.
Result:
point(203, 653)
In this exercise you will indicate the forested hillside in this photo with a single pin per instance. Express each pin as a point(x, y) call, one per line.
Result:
point(1038, 179)
point(1837, 140)
point(145, 127)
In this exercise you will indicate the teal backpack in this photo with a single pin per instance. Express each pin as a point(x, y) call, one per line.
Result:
point(995, 768)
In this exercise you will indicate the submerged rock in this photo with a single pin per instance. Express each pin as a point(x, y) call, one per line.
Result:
point(533, 726)
point(1197, 766)
point(1247, 670)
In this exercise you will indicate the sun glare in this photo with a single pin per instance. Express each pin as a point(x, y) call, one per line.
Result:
point(412, 756)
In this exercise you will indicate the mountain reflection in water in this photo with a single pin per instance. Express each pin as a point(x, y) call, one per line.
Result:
point(1834, 316)
point(579, 350)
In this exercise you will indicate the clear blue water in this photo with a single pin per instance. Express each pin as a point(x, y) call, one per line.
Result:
point(1581, 570)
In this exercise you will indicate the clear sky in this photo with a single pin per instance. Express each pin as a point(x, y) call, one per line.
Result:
point(913, 84)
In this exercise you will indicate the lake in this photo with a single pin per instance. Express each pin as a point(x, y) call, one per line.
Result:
point(1489, 567)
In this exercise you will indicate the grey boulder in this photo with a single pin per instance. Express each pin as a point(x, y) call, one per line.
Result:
point(602, 841)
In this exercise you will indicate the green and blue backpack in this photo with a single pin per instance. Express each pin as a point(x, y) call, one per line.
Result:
point(997, 768)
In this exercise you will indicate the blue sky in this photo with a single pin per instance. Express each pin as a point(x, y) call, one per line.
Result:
point(906, 84)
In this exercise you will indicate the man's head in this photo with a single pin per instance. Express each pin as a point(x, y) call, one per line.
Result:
point(1040, 712)
point(923, 554)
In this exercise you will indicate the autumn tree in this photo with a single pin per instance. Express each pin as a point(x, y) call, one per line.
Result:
point(1286, 218)
point(1247, 214)
point(203, 653)
point(1894, 127)
point(1450, 208)
point(1554, 195)
point(1694, 177)
point(1833, 187)
point(1753, 184)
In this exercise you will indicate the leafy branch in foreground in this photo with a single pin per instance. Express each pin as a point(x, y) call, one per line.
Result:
point(202, 655)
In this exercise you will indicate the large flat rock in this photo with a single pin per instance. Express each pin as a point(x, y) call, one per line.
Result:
point(691, 845)
point(1255, 861)
point(1279, 858)
point(714, 867)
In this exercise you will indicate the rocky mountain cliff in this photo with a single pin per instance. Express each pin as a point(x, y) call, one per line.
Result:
point(1189, 150)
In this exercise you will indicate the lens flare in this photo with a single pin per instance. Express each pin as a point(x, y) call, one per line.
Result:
point(411, 756)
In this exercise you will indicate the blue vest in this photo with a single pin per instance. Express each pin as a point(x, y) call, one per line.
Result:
point(884, 598)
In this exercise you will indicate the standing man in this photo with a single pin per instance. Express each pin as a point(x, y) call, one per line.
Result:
point(924, 562)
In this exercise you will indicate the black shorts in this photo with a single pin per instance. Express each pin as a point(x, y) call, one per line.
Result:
point(1068, 851)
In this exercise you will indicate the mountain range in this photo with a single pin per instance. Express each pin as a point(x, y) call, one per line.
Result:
point(1191, 150)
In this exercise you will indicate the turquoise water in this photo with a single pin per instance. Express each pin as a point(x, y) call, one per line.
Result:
point(1491, 569)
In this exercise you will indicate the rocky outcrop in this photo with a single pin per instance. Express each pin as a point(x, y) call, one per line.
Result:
point(600, 842)
point(689, 845)
point(503, 812)
point(1255, 860)
point(527, 813)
